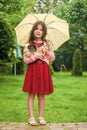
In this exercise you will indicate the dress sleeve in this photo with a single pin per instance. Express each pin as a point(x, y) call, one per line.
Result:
point(29, 57)
point(50, 53)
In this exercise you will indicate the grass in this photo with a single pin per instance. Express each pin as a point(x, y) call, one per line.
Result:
point(68, 103)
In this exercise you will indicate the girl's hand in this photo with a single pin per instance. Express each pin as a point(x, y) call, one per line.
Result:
point(43, 50)
point(27, 54)
point(38, 54)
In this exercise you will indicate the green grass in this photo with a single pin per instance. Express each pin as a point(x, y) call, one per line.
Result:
point(68, 103)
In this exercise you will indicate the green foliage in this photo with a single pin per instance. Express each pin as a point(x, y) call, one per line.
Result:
point(15, 10)
point(6, 68)
point(78, 28)
point(16, 6)
point(75, 13)
point(77, 63)
point(6, 41)
point(48, 5)
point(84, 61)
point(64, 57)
point(65, 1)
point(11, 13)
point(10, 6)
point(20, 67)
point(51, 69)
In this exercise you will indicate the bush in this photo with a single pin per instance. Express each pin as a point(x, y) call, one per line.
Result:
point(77, 63)
point(7, 41)
point(51, 69)
point(6, 69)
point(19, 67)
point(55, 66)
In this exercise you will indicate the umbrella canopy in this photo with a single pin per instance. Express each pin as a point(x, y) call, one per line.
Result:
point(57, 29)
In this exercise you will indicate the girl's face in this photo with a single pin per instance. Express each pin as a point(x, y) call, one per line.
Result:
point(38, 32)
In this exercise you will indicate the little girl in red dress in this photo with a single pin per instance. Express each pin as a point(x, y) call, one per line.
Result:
point(38, 53)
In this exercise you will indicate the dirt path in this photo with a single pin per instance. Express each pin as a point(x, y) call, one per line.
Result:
point(59, 126)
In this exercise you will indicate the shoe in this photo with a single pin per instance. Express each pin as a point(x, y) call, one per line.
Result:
point(42, 121)
point(32, 121)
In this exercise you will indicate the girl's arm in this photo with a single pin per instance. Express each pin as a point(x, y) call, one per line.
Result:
point(29, 57)
point(50, 53)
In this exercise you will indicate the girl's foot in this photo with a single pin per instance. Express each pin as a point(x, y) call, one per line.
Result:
point(42, 121)
point(32, 121)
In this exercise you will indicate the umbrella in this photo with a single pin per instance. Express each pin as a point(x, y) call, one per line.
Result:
point(57, 29)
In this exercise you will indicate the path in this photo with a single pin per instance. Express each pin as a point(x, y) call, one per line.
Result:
point(59, 126)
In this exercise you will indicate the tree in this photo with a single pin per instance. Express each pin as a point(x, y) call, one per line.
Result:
point(77, 63)
point(6, 41)
point(16, 6)
point(11, 13)
point(75, 13)
point(46, 6)
point(15, 10)
point(66, 1)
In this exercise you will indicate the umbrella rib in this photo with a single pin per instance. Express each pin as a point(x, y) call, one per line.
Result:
point(35, 16)
point(49, 22)
point(33, 23)
point(52, 22)
point(45, 18)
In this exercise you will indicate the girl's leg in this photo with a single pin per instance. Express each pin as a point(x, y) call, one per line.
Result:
point(30, 104)
point(41, 104)
point(41, 107)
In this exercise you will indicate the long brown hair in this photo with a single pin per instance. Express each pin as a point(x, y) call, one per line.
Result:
point(31, 37)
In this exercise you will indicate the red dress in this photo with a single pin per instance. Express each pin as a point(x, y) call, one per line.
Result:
point(38, 78)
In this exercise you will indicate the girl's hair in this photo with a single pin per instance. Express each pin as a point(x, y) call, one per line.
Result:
point(31, 37)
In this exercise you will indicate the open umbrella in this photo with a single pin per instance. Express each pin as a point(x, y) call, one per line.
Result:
point(57, 29)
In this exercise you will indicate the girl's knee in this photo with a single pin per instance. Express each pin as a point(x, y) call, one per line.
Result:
point(31, 95)
point(40, 96)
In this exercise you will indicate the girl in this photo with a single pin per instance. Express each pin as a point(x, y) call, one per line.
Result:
point(37, 54)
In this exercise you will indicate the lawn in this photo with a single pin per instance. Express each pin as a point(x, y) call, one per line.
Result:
point(68, 103)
